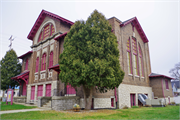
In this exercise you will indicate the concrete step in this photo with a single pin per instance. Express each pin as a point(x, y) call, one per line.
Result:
point(47, 105)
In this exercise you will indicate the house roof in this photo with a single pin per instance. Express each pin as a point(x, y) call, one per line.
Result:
point(176, 82)
point(40, 19)
point(28, 53)
point(55, 67)
point(60, 36)
point(136, 23)
point(159, 75)
point(22, 76)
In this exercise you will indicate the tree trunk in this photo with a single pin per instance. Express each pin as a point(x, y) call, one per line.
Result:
point(85, 98)
point(88, 106)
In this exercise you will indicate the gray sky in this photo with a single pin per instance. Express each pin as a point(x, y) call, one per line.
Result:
point(159, 20)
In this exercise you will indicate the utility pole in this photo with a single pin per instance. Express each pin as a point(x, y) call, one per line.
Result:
point(11, 39)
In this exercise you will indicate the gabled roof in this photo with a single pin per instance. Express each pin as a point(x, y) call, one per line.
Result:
point(40, 19)
point(28, 53)
point(159, 75)
point(138, 27)
point(60, 36)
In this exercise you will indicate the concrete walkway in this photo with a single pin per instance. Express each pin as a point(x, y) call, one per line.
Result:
point(23, 110)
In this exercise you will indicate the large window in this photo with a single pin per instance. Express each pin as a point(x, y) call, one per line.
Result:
point(135, 57)
point(26, 67)
point(129, 58)
point(141, 62)
point(43, 64)
point(51, 59)
point(47, 31)
point(37, 64)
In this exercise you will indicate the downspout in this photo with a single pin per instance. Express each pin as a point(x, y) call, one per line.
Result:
point(163, 89)
point(115, 96)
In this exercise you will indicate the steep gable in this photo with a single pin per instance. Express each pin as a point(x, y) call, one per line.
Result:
point(40, 20)
point(137, 25)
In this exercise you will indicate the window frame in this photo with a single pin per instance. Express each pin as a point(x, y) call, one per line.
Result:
point(51, 59)
point(167, 85)
point(43, 63)
point(129, 57)
point(37, 64)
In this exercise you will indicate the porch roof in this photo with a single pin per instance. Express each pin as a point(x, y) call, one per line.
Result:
point(55, 68)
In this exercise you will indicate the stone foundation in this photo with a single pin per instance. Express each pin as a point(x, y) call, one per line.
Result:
point(64, 102)
point(125, 90)
point(20, 99)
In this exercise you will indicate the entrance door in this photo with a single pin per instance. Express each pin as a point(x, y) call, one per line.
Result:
point(70, 90)
point(40, 91)
point(32, 92)
point(48, 89)
point(133, 99)
point(24, 89)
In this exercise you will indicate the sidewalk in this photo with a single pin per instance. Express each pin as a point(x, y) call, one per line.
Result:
point(23, 110)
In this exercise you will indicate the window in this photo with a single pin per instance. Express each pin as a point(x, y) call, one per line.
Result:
point(129, 59)
point(135, 58)
point(47, 31)
point(51, 59)
point(26, 67)
point(37, 64)
point(141, 62)
point(167, 85)
point(43, 64)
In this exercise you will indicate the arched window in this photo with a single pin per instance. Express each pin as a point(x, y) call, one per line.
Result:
point(47, 31)
point(141, 61)
point(129, 58)
point(26, 67)
point(135, 58)
point(51, 59)
point(43, 63)
point(37, 64)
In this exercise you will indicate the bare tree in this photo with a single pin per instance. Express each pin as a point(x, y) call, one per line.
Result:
point(175, 72)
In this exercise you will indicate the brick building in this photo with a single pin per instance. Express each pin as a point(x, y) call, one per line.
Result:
point(40, 66)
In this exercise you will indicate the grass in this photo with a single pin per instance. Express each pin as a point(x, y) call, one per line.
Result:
point(169, 112)
point(5, 107)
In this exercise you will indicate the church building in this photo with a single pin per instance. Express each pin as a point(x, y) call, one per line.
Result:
point(40, 68)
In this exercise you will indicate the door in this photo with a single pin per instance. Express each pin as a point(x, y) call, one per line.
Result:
point(40, 91)
point(24, 89)
point(48, 89)
point(70, 90)
point(32, 92)
point(133, 99)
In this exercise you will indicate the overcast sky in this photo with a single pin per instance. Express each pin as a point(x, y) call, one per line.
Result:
point(159, 20)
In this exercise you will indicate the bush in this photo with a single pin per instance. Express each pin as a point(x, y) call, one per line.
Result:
point(148, 106)
point(125, 107)
point(135, 107)
point(173, 103)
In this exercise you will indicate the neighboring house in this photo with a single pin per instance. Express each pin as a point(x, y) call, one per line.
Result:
point(161, 86)
point(176, 90)
point(40, 68)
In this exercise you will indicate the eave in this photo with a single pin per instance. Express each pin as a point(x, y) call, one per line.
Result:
point(28, 53)
point(41, 18)
point(60, 36)
point(161, 76)
point(137, 26)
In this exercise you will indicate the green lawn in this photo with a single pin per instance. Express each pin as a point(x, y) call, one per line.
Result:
point(14, 106)
point(169, 112)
